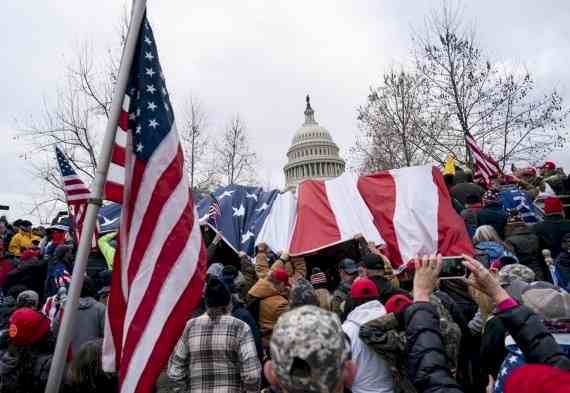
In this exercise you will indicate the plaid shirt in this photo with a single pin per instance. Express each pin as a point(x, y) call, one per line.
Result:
point(216, 354)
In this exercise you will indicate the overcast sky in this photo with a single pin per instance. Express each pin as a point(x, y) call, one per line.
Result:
point(258, 58)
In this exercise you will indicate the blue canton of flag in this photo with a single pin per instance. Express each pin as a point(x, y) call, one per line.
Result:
point(242, 212)
point(520, 200)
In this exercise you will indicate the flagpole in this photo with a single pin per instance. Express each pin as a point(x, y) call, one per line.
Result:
point(65, 332)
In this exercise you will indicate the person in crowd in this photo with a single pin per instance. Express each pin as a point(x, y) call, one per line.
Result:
point(472, 207)
point(90, 319)
point(216, 352)
point(23, 239)
point(8, 304)
point(295, 267)
point(319, 282)
point(428, 366)
point(29, 299)
point(525, 245)
point(348, 271)
point(86, 372)
point(492, 212)
point(551, 231)
point(372, 371)
point(58, 275)
point(554, 177)
point(487, 241)
point(562, 264)
point(230, 275)
point(25, 364)
point(302, 293)
point(466, 190)
point(269, 301)
point(552, 307)
point(372, 266)
point(309, 353)
point(107, 245)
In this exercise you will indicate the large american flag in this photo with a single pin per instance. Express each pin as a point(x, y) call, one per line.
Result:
point(76, 193)
point(485, 166)
point(160, 264)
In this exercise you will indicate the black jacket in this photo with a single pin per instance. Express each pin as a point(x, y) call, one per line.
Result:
point(462, 190)
point(493, 350)
point(493, 215)
point(386, 290)
point(428, 366)
point(550, 233)
point(526, 246)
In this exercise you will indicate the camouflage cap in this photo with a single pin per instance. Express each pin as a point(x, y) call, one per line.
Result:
point(308, 350)
point(515, 271)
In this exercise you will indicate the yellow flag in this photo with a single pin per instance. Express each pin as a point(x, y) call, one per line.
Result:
point(449, 168)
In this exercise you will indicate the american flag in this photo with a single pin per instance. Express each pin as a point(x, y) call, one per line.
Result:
point(485, 166)
point(214, 211)
point(160, 264)
point(76, 193)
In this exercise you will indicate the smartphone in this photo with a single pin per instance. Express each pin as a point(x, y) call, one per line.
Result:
point(453, 267)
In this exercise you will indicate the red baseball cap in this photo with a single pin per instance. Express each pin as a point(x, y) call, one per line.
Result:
point(27, 326)
point(364, 288)
point(280, 275)
point(553, 205)
point(549, 165)
point(397, 303)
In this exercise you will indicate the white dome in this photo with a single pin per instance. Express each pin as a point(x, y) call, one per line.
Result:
point(313, 153)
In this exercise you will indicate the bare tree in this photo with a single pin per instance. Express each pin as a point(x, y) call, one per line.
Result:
point(498, 111)
point(396, 131)
point(197, 146)
point(234, 156)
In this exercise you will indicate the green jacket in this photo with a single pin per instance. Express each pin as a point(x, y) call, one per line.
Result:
point(108, 251)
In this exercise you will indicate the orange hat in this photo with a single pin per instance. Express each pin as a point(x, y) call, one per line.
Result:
point(27, 327)
point(364, 288)
point(553, 205)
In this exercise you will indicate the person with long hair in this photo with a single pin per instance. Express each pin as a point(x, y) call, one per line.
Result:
point(86, 373)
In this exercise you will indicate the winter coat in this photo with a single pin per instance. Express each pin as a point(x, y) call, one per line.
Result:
point(373, 373)
point(107, 248)
point(562, 270)
point(550, 233)
point(89, 324)
point(31, 274)
point(428, 367)
point(271, 305)
point(492, 349)
point(21, 240)
point(339, 298)
point(26, 369)
point(469, 216)
point(324, 297)
point(240, 312)
point(525, 245)
point(493, 249)
point(493, 215)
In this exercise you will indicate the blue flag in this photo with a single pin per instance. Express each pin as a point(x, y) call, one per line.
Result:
point(520, 200)
point(240, 213)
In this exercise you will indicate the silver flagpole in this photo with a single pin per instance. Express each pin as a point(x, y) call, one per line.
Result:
point(84, 248)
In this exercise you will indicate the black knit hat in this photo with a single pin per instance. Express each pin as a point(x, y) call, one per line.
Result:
point(217, 294)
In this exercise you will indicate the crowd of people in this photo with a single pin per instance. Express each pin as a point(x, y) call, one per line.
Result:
point(278, 323)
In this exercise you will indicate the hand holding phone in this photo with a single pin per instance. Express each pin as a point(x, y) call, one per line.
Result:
point(453, 268)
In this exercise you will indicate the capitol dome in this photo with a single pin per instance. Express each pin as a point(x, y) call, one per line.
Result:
point(313, 154)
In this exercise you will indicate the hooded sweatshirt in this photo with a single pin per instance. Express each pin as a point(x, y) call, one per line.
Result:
point(89, 325)
point(271, 305)
point(373, 374)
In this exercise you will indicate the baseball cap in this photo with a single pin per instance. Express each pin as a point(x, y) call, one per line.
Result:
point(348, 265)
point(27, 327)
point(398, 303)
point(308, 349)
point(549, 165)
point(515, 271)
point(553, 205)
point(363, 288)
point(373, 262)
point(547, 302)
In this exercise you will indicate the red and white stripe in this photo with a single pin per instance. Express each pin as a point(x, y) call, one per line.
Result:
point(116, 175)
point(150, 302)
point(409, 210)
point(485, 166)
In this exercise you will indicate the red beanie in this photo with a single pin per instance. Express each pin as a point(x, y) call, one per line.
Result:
point(27, 327)
point(553, 205)
point(538, 378)
point(397, 303)
point(281, 275)
point(363, 288)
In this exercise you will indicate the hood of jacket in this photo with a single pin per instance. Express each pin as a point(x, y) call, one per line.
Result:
point(493, 249)
point(263, 289)
point(86, 302)
point(366, 312)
